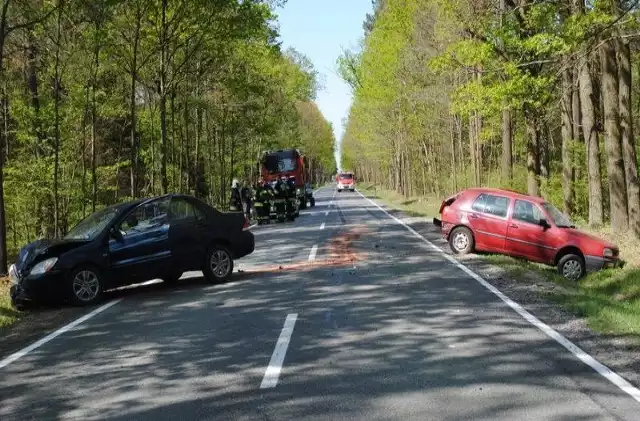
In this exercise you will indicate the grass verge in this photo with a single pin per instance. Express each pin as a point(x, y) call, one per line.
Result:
point(609, 300)
point(8, 315)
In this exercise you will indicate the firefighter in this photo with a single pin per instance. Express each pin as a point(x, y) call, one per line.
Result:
point(280, 192)
point(245, 197)
point(262, 202)
point(236, 199)
point(293, 199)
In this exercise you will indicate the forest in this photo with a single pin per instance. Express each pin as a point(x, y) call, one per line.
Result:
point(537, 96)
point(103, 101)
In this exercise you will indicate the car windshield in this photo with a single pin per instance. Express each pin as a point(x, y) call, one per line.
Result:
point(90, 227)
point(280, 162)
point(561, 220)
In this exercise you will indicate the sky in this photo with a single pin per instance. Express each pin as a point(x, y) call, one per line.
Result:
point(321, 29)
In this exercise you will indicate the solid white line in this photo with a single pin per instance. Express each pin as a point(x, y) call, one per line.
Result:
point(17, 355)
point(272, 373)
point(600, 368)
point(312, 254)
point(322, 226)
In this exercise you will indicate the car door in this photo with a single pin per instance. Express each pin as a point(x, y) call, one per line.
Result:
point(187, 234)
point(488, 220)
point(142, 250)
point(525, 236)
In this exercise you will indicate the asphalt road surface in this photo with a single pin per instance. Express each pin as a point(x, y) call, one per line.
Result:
point(343, 314)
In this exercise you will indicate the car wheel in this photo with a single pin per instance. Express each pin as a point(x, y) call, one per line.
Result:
point(313, 202)
point(85, 286)
point(571, 267)
point(461, 240)
point(219, 264)
point(303, 204)
point(339, 191)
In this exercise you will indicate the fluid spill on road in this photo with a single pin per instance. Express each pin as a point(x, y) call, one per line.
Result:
point(338, 252)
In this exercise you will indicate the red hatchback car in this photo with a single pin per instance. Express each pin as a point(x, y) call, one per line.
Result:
point(506, 222)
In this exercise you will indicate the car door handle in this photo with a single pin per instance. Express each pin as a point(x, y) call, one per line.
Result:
point(513, 226)
point(473, 215)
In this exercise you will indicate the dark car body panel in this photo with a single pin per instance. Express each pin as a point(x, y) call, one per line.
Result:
point(172, 243)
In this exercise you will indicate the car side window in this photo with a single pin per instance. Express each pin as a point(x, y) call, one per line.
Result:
point(527, 212)
point(182, 210)
point(493, 205)
point(145, 217)
point(478, 204)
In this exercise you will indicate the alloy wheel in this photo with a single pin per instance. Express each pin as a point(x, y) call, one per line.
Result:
point(86, 285)
point(220, 263)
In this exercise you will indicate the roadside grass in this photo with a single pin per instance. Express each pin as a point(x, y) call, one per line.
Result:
point(8, 315)
point(609, 300)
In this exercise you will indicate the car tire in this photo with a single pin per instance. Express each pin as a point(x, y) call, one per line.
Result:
point(339, 191)
point(572, 267)
point(303, 204)
point(85, 286)
point(461, 241)
point(218, 266)
point(313, 202)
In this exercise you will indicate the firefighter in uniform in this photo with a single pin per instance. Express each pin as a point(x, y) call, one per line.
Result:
point(262, 201)
point(236, 199)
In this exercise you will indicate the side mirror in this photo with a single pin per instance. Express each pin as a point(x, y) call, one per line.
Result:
point(544, 224)
point(115, 234)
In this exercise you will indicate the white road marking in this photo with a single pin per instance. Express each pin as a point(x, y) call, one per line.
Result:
point(322, 226)
point(326, 213)
point(17, 355)
point(600, 368)
point(312, 254)
point(272, 373)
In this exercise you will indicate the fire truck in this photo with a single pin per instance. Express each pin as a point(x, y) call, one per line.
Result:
point(345, 181)
point(288, 163)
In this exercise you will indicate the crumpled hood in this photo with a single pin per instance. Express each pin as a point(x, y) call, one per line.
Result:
point(41, 249)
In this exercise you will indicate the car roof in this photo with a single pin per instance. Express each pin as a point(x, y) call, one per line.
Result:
point(508, 193)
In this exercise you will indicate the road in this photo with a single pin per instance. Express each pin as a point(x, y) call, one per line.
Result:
point(342, 315)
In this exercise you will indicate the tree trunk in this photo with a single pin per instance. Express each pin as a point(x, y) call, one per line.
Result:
point(507, 146)
point(587, 104)
point(533, 157)
point(567, 138)
point(163, 101)
point(613, 145)
point(3, 139)
point(133, 176)
point(56, 110)
point(628, 142)
point(472, 148)
point(94, 82)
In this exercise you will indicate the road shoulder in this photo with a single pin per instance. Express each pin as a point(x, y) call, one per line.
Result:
point(618, 352)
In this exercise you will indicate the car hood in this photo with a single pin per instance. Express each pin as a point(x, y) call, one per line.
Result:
point(578, 234)
point(40, 249)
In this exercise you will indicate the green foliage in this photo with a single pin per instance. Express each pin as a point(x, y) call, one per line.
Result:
point(231, 93)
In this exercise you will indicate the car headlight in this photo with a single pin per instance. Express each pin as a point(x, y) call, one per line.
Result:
point(607, 252)
point(44, 266)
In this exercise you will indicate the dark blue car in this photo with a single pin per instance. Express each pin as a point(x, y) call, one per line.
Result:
point(124, 244)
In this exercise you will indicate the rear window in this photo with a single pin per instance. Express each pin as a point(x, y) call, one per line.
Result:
point(491, 204)
point(346, 176)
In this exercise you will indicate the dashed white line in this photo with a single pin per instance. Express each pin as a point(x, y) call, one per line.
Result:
point(272, 373)
point(322, 226)
point(312, 254)
point(600, 368)
point(24, 351)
